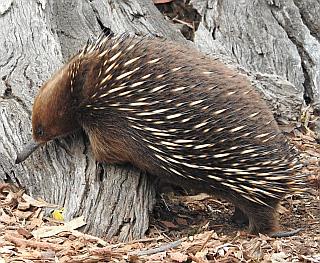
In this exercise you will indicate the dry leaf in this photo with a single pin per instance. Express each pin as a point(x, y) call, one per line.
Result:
point(182, 221)
point(168, 224)
point(22, 215)
point(37, 203)
point(89, 237)
point(35, 222)
point(6, 219)
point(199, 197)
point(282, 210)
point(23, 206)
point(49, 231)
point(7, 250)
point(201, 254)
point(157, 257)
point(24, 233)
point(161, 1)
point(178, 256)
point(279, 257)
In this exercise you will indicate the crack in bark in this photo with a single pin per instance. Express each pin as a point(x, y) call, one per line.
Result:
point(6, 135)
point(106, 30)
point(8, 95)
point(31, 83)
point(21, 103)
point(85, 193)
point(305, 22)
point(13, 175)
point(115, 204)
point(181, 12)
point(5, 7)
point(100, 172)
point(10, 57)
point(64, 33)
point(308, 92)
point(308, 95)
point(8, 91)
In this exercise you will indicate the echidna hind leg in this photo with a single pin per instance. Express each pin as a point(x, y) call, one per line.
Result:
point(262, 219)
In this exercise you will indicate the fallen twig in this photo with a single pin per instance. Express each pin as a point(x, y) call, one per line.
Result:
point(88, 237)
point(33, 244)
point(206, 241)
point(162, 248)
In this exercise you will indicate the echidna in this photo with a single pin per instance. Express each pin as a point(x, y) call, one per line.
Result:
point(174, 113)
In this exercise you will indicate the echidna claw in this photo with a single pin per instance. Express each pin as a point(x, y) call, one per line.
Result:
point(286, 233)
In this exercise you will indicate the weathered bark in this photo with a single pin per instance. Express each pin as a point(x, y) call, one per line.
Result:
point(275, 42)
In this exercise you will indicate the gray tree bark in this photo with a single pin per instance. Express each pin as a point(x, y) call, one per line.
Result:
point(276, 43)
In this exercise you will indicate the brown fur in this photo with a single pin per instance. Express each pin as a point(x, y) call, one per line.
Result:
point(53, 106)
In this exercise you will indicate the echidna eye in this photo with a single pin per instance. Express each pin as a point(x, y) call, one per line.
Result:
point(40, 131)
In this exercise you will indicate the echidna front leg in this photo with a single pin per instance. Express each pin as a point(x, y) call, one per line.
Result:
point(239, 217)
point(262, 219)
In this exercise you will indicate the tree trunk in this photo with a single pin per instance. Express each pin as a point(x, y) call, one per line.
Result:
point(275, 42)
